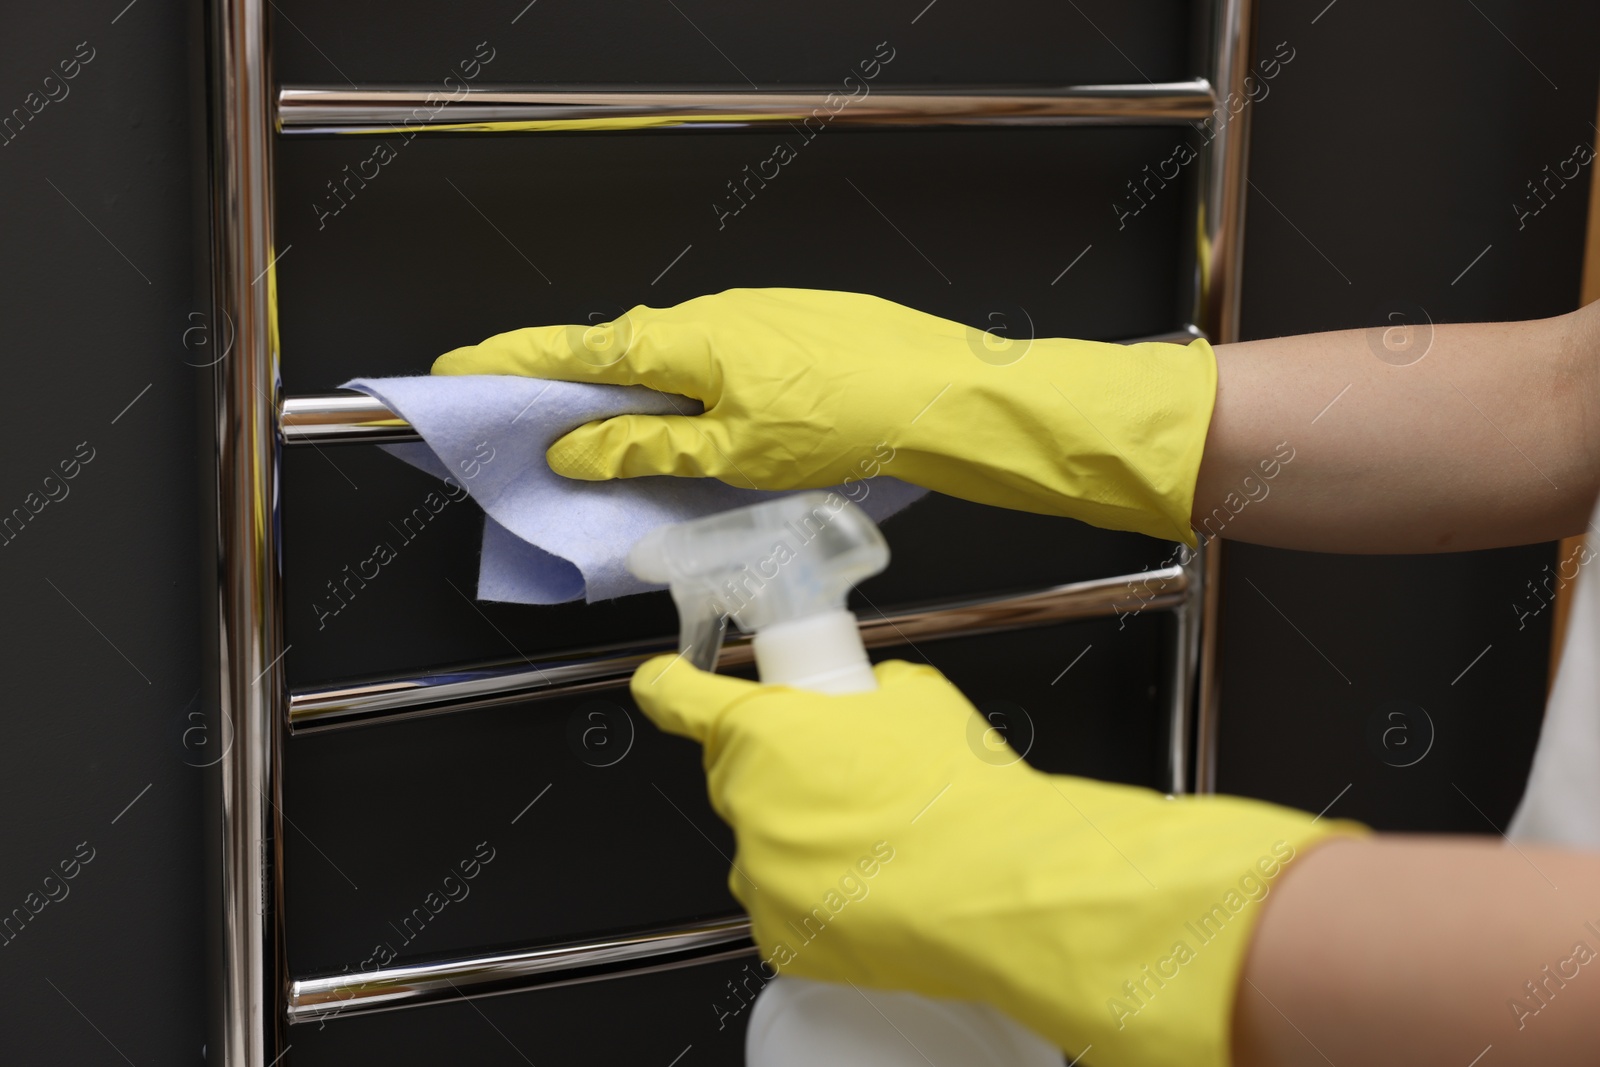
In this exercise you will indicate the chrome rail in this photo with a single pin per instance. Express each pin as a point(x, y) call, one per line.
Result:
point(355, 418)
point(247, 696)
point(1163, 589)
point(245, 689)
point(333, 418)
point(1183, 666)
point(408, 111)
point(1229, 31)
point(418, 984)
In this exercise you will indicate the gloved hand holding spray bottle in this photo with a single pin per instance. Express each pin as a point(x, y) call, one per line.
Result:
point(782, 569)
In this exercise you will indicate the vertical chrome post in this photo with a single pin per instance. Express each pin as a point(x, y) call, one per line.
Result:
point(1223, 178)
point(1188, 620)
point(1219, 240)
point(245, 897)
point(1178, 671)
point(1206, 609)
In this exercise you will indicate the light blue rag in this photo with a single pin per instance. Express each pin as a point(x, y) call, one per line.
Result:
point(549, 539)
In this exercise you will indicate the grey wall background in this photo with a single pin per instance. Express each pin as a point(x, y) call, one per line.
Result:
point(1386, 160)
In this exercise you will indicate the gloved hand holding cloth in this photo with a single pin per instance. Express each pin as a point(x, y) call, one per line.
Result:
point(804, 388)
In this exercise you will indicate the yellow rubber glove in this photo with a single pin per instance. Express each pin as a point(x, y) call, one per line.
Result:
point(804, 388)
point(890, 839)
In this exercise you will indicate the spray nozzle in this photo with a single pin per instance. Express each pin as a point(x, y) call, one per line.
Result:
point(776, 561)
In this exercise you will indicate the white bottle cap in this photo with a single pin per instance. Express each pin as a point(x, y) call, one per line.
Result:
point(801, 1023)
point(821, 652)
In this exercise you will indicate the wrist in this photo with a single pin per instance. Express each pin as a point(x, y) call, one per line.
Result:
point(1148, 912)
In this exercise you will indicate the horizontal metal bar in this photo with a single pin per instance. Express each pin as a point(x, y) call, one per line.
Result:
point(1181, 336)
point(338, 417)
point(407, 110)
point(420, 984)
point(341, 418)
point(501, 683)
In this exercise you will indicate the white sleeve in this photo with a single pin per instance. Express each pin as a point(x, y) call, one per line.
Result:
point(1562, 804)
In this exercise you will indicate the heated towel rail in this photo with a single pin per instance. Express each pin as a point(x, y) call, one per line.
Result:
point(254, 998)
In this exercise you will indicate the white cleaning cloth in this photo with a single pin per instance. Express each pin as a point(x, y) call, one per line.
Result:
point(548, 539)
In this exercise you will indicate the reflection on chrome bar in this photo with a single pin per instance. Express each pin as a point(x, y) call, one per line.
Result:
point(476, 686)
point(315, 110)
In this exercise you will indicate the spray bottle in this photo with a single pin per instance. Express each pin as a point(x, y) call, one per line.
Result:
point(781, 570)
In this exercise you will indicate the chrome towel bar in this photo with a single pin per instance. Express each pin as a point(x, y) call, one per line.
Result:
point(461, 688)
point(253, 996)
point(355, 418)
point(414, 985)
point(392, 110)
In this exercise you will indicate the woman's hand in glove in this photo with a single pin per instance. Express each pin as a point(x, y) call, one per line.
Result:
point(804, 388)
point(893, 840)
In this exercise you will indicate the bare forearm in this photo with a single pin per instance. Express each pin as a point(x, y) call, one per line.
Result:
point(1407, 950)
point(1489, 439)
